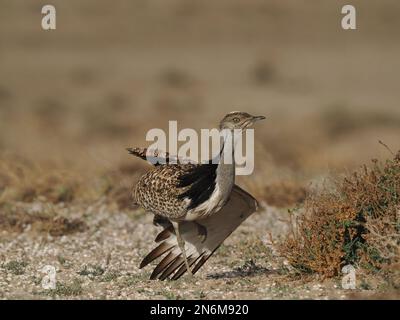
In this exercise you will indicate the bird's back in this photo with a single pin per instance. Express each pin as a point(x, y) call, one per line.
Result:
point(160, 188)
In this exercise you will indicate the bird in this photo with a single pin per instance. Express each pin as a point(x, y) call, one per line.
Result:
point(198, 205)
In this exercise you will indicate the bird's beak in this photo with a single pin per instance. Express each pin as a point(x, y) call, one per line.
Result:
point(257, 118)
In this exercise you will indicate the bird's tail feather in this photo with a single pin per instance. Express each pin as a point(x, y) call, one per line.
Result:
point(155, 156)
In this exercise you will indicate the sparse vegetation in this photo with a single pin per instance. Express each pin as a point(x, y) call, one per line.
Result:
point(110, 275)
point(20, 180)
point(66, 290)
point(131, 280)
point(92, 271)
point(44, 219)
point(15, 267)
point(356, 223)
point(64, 261)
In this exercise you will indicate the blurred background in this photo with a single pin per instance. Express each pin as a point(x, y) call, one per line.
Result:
point(75, 97)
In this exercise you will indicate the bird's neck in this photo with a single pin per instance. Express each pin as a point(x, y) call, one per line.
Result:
point(227, 151)
point(226, 166)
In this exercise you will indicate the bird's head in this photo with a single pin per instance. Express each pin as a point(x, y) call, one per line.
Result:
point(238, 120)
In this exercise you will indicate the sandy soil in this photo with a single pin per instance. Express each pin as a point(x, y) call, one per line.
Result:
point(102, 262)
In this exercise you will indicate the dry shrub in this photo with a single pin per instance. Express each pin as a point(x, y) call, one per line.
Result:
point(18, 218)
point(60, 226)
point(284, 194)
point(355, 223)
point(384, 238)
point(23, 181)
point(383, 251)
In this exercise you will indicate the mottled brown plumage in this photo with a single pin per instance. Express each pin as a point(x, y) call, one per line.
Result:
point(157, 191)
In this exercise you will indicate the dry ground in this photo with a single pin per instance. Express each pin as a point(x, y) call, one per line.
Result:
point(102, 263)
point(71, 100)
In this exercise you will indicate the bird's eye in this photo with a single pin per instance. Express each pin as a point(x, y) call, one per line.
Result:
point(236, 120)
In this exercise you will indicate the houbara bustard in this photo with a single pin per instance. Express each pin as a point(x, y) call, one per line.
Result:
point(198, 205)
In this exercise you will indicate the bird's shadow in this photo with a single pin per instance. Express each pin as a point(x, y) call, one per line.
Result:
point(248, 269)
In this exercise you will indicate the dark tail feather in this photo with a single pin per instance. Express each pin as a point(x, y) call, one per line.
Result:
point(154, 254)
point(176, 264)
point(183, 269)
point(200, 263)
point(165, 234)
point(138, 152)
point(164, 263)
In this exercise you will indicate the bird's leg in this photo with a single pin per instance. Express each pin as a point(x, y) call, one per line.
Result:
point(181, 244)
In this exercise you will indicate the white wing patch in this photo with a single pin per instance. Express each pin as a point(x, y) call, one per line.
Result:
point(218, 226)
point(207, 207)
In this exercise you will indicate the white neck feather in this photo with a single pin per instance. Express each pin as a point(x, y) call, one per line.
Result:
point(226, 168)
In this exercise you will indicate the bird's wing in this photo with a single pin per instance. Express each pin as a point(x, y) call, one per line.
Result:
point(199, 248)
